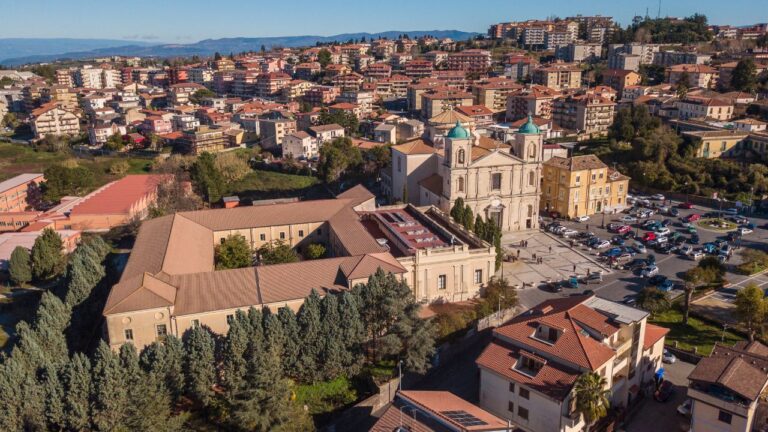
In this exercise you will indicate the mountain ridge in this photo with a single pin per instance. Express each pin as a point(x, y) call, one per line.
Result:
point(223, 45)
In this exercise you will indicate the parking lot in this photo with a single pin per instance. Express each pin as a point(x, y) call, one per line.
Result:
point(621, 285)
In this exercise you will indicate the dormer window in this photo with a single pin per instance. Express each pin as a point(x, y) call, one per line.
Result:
point(529, 364)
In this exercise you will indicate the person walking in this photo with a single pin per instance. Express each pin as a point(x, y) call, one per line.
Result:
point(550, 248)
point(574, 268)
point(518, 253)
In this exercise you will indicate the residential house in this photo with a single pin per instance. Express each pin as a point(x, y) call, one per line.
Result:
point(300, 145)
point(558, 76)
point(716, 144)
point(50, 119)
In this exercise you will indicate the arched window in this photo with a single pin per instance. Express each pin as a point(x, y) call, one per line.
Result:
point(461, 184)
point(531, 178)
point(532, 151)
point(461, 156)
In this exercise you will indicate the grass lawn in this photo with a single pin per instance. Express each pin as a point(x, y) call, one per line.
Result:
point(17, 159)
point(697, 333)
point(324, 397)
point(264, 184)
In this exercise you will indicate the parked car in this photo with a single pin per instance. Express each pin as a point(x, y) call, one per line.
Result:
point(624, 229)
point(697, 255)
point(692, 217)
point(667, 248)
point(668, 357)
point(628, 219)
point(684, 408)
point(569, 232)
point(618, 240)
point(581, 218)
point(685, 250)
point(612, 252)
point(665, 392)
point(663, 231)
point(658, 197)
point(650, 271)
point(731, 211)
point(709, 248)
point(666, 286)
point(674, 212)
point(744, 231)
point(640, 248)
point(649, 236)
point(694, 239)
point(554, 287)
point(602, 244)
point(686, 205)
point(656, 279)
point(594, 277)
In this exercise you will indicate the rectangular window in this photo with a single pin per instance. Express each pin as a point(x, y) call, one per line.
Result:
point(262, 237)
point(522, 413)
point(511, 387)
point(578, 179)
point(230, 318)
point(129, 334)
point(496, 181)
point(725, 417)
point(161, 330)
point(593, 177)
point(282, 236)
point(441, 282)
point(524, 393)
point(478, 276)
point(301, 233)
point(511, 407)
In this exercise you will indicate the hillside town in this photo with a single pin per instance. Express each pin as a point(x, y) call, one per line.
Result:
point(558, 225)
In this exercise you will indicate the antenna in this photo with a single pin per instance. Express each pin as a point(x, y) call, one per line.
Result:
point(658, 14)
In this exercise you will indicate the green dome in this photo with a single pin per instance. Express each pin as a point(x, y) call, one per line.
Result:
point(529, 127)
point(458, 132)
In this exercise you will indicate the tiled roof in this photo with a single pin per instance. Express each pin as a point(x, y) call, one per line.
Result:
point(741, 371)
point(119, 196)
point(553, 379)
point(417, 146)
point(653, 334)
point(433, 183)
point(576, 163)
point(574, 344)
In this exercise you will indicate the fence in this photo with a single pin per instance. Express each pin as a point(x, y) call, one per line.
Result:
point(496, 319)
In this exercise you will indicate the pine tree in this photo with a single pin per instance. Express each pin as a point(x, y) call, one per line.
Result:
point(199, 370)
point(76, 378)
point(51, 321)
point(174, 367)
point(330, 337)
point(292, 337)
point(21, 397)
point(48, 260)
point(83, 274)
point(20, 266)
point(54, 399)
point(263, 405)
point(233, 355)
point(417, 337)
point(309, 324)
point(274, 337)
point(109, 391)
point(352, 335)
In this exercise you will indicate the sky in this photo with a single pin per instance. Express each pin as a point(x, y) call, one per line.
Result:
point(186, 21)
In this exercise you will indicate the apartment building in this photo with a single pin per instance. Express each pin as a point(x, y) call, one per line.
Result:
point(587, 114)
point(269, 85)
point(671, 58)
point(559, 76)
point(519, 67)
point(528, 370)
point(624, 61)
point(200, 75)
point(18, 193)
point(436, 102)
point(697, 107)
point(644, 51)
point(50, 119)
point(178, 94)
point(295, 90)
point(348, 81)
point(307, 71)
point(471, 60)
point(493, 93)
point(201, 140)
point(62, 95)
point(716, 144)
point(582, 185)
point(619, 79)
point(698, 75)
point(164, 290)
point(726, 388)
point(321, 95)
point(416, 69)
point(328, 132)
point(535, 100)
point(300, 145)
point(578, 52)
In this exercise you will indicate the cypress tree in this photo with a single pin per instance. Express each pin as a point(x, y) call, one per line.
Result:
point(330, 337)
point(20, 266)
point(308, 319)
point(233, 355)
point(468, 220)
point(291, 340)
point(199, 365)
point(352, 334)
point(76, 378)
point(48, 261)
point(109, 390)
point(479, 227)
point(457, 211)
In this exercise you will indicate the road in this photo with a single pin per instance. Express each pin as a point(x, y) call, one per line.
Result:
point(663, 416)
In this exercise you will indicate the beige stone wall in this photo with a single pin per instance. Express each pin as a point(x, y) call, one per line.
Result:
point(143, 324)
point(296, 235)
point(576, 193)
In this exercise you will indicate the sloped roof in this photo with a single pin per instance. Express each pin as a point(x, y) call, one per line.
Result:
point(742, 371)
point(119, 196)
point(576, 163)
point(416, 146)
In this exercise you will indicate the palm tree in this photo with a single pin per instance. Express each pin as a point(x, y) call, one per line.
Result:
point(692, 279)
point(591, 397)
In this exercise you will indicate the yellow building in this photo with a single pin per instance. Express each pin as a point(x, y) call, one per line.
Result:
point(582, 185)
point(715, 144)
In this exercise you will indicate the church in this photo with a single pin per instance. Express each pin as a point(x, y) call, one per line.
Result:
point(499, 181)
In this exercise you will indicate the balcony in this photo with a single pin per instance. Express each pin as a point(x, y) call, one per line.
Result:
point(718, 399)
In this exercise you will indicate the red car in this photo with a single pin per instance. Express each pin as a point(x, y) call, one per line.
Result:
point(649, 236)
point(692, 218)
point(624, 229)
point(686, 205)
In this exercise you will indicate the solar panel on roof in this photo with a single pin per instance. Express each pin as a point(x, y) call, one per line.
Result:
point(463, 418)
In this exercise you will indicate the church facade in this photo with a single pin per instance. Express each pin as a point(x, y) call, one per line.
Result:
point(499, 181)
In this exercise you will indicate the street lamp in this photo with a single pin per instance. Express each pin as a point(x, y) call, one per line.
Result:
point(722, 338)
point(498, 314)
